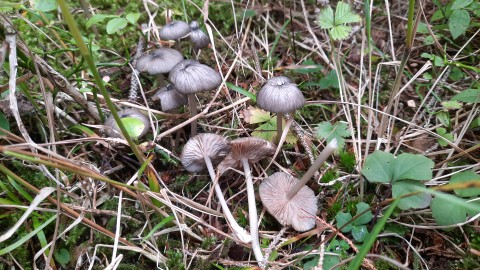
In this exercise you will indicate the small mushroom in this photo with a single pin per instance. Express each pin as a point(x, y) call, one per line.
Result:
point(191, 77)
point(244, 150)
point(289, 200)
point(170, 98)
point(135, 130)
point(159, 62)
point(203, 151)
point(199, 39)
point(174, 30)
point(280, 95)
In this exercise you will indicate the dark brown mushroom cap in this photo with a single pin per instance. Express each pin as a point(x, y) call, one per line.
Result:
point(191, 77)
point(199, 39)
point(113, 130)
point(300, 211)
point(280, 95)
point(159, 61)
point(252, 148)
point(214, 146)
point(170, 98)
point(174, 30)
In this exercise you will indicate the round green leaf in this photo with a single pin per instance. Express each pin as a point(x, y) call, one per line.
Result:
point(404, 187)
point(447, 212)
point(359, 232)
point(134, 126)
point(62, 256)
point(414, 167)
point(464, 177)
point(365, 217)
point(459, 22)
point(116, 24)
point(378, 167)
point(342, 219)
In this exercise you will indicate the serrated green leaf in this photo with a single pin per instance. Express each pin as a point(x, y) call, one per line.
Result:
point(98, 18)
point(469, 95)
point(342, 219)
point(340, 131)
point(132, 17)
point(116, 24)
point(340, 32)
point(464, 177)
point(359, 233)
point(458, 4)
point(458, 22)
point(365, 217)
point(134, 126)
point(325, 18)
point(416, 201)
point(329, 81)
point(344, 14)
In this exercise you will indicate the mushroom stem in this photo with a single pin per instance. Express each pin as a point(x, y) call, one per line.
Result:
point(192, 102)
point(252, 212)
point(239, 232)
point(161, 80)
point(329, 149)
point(279, 126)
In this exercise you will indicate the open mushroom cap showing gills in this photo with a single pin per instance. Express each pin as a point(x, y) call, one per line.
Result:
point(299, 212)
point(210, 145)
point(159, 61)
point(280, 95)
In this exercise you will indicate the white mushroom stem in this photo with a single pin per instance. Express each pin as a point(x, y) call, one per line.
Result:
point(192, 102)
point(252, 212)
point(239, 232)
point(329, 149)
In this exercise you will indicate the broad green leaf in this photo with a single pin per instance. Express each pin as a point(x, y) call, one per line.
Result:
point(447, 212)
point(451, 105)
point(458, 22)
point(458, 4)
point(4, 123)
point(325, 18)
point(116, 24)
point(132, 17)
point(134, 126)
point(448, 137)
point(326, 130)
point(456, 74)
point(359, 233)
point(411, 166)
point(342, 219)
point(469, 95)
point(422, 28)
point(311, 264)
point(62, 256)
point(330, 261)
point(365, 217)
point(98, 18)
point(44, 5)
point(254, 115)
point(378, 167)
point(340, 32)
point(416, 201)
point(463, 177)
point(329, 81)
point(344, 14)
point(268, 131)
point(437, 15)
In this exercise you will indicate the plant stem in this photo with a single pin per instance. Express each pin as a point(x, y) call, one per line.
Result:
point(329, 149)
point(193, 111)
point(252, 213)
point(239, 232)
point(279, 127)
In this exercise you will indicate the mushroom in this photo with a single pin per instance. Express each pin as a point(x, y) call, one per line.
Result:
point(244, 150)
point(159, 62)
point(137, 124)
point(174, 30)
point(169, 98)
point(289, 200)
point(190, 77)
point(203, 151)
point(280, 95)
point(199, 39)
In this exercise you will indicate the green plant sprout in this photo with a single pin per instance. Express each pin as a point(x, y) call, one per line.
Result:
point(336, 24)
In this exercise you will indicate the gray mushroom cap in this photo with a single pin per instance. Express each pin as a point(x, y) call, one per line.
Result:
point(191, 77)
point(214, 146)
point(199, 39)
point(300, 211)
point(280, 95)
point(252, 148)
point(174, 30)
point(113, 130)
point(159, 61)
point(170, 98)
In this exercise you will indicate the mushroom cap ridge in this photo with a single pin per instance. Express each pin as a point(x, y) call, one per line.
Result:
point(174, 30)
point(159, 61)
point(190, 77)
point(280, 95)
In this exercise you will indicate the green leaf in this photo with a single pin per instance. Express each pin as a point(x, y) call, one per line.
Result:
point(116, 24)
point(62, 256)
point(344, 14)
point(359, 233)
point(4, 123)
point(443, 132)
point(339, 131)
point(242, 91)
point(458, 4)
point(134, 126)
point(365, 217)
point(469, 95)
point(330, 261)
point(446, 212)
point(416, 201)
point(268, 131)
point(254, 115)
point(464, 177)
point(378, 167)
point(456, 74)
point(326, 19)
point(133, 17)
point(329, 81)
point(98, 18)
point(44, 5)
point(342, 219)
point(458, 22)
point(340, 32)
point(451, 105)
point(437, 15)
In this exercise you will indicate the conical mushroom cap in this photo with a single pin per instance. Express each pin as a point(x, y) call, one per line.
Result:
point(300, 211)
point(191, 77)
point(174, 30)
point(199, 39)
point(114, 131)
point(214, 146)
point(170, 98)
point(159, 61)
point(252, 148)
point(280, 95)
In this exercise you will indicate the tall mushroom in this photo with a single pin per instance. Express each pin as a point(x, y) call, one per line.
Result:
point(202, 151)
point(244, 150)
point(190, 77)
point(137, 124)
point(174, 30)
point(280, 95)
point(159, 62)
point(289, 200)
point(169, 98)
point(199, 39)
